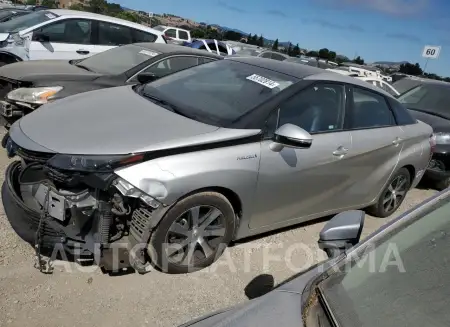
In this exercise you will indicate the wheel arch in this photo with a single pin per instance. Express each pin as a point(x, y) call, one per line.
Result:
point(412, 172)
point(11, 56)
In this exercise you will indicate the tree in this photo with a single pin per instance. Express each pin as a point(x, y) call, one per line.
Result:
point(289, 49)
point(324, 53)
point(312, 54)
point(97, 6)
point(261, 41)
point(31, 2)
point(254, 40)
point(296, 51)
point(127, 16)
point(198, 33)
point(232, 36)
point(358, 60)
point(275, 45)
point(49, 3)
point(332, 55)
point(77, 6)
point(249, 39)
point(410, 69)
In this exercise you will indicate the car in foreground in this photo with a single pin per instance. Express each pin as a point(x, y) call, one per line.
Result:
point(30, 84)
point(395, 277)
point(430, 102)
point(179, 167)
point(67, 34)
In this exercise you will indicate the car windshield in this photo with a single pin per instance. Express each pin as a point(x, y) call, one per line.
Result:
point(405, 84)
point(117, 60)
point(400, 278)
point(219, 92)
point(431, 98)
point(26, 21)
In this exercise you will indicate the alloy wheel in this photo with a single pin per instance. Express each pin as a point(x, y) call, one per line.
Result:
point(195, 235)
point(395, 193)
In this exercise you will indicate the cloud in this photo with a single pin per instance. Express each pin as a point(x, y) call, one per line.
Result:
point(276, 13)
point(404, 37)
point(331, 25)
point(232, 8)
point(390, 7)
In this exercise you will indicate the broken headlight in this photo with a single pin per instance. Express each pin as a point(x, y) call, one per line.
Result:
point(93, 163)
point(34, 95)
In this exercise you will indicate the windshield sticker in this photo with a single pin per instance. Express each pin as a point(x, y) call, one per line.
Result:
point(51, 16)
point(263, 81)
point(149, 53)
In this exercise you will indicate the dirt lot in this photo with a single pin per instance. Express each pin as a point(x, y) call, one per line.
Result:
point(76, 297)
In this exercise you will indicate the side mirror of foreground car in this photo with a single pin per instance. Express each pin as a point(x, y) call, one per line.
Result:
point(342, 232)
point(291, 136)
point(41, 37)
point(145, 78)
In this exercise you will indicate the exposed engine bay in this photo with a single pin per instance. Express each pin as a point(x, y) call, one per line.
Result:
point(97, 216)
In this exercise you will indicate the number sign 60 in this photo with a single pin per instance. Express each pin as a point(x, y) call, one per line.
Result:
point(431, 52)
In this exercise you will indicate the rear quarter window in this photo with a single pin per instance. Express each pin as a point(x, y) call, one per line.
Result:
point(402, 115)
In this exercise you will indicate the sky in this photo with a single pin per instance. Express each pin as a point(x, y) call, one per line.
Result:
point(376, 30)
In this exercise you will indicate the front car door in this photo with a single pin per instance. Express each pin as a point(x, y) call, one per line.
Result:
point(377, 141)
point(300, 184)
point(65, 39)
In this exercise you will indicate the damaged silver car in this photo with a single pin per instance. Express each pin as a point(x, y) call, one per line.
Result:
point(172, 171)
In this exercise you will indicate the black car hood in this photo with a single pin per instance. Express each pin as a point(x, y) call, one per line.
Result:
point(438, 124)
point(48, 70)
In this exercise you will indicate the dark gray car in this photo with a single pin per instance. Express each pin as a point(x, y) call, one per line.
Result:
point(26, 85)
point(397, 277)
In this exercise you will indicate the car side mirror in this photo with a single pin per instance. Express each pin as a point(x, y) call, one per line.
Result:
point(145, 78)
point(291, 136)
point(342, 232)
point(41, 37)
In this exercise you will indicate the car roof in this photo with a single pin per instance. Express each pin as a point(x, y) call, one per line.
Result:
point(169, 48)
point(305, 72)
point(85, 14)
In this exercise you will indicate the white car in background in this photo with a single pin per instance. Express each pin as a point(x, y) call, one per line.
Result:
point(67, 34)
point(174, 34)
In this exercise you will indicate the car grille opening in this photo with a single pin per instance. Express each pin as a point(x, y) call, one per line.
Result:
point(7, 86)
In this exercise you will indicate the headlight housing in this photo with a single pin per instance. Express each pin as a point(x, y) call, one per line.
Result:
point(93, 163)
point(442, 138)
point(35, 95)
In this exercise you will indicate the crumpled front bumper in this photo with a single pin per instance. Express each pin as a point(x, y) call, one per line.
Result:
point(25, 221)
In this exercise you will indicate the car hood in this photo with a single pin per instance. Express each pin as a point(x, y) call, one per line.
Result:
point(38, 70)
point(112, 121)
point(281, 307)
point(438, 124)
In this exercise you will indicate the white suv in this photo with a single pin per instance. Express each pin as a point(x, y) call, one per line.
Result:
point(67, 34)
point(174, 34)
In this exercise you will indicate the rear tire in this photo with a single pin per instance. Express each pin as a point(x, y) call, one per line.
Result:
point(193, 233)
point(392, 195)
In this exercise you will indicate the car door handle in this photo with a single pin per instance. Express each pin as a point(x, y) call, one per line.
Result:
point(341, 151)
point(83, 52)
point(397, 141)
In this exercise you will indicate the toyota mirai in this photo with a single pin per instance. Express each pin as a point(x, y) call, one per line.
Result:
point(176, 169)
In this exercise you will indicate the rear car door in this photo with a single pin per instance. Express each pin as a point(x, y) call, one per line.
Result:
point(112, 35)
point(64, 39)
point(377, 142)
point(296, 183)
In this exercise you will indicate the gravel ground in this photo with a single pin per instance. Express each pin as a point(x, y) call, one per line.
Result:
point(77, 296)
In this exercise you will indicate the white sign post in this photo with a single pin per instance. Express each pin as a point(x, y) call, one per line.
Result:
point(430, 52)
point(150, 15)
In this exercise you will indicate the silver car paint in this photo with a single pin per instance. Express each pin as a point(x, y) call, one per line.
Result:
point(274, 189)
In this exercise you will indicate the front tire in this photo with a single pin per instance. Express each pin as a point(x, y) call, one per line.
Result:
point(193, 234)
point(392, 195)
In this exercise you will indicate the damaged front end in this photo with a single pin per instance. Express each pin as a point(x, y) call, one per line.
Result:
point(78, 204)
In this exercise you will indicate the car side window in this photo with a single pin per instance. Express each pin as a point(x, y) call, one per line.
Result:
point(266, 55)
point(183, 35)
point(141, 36)
point(171, 65)
point(113, 34)
point(370, 110)
point(203, 60)
point(73, 31)
point(317, 109)
point(171, 33)
point(277, 56)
